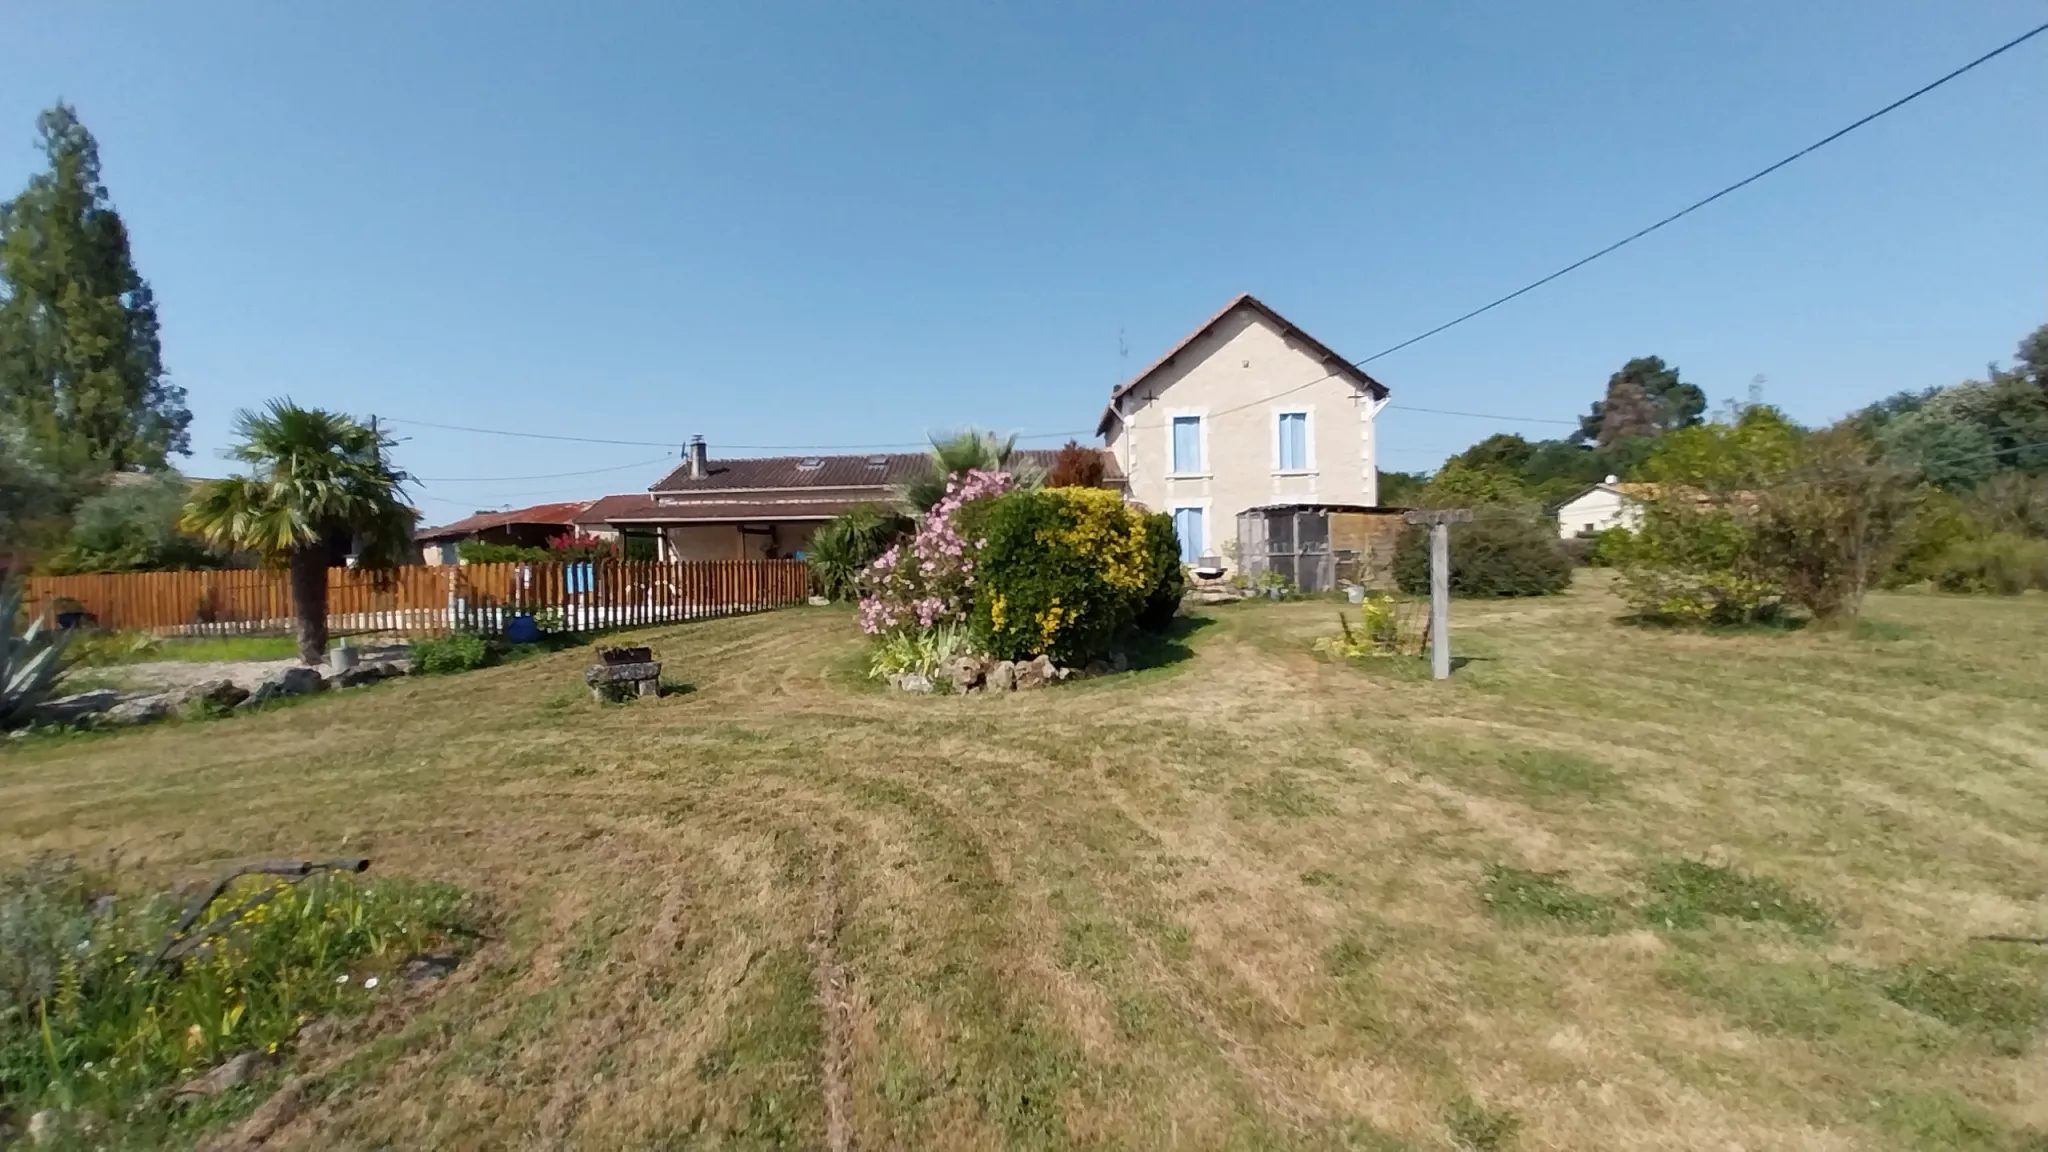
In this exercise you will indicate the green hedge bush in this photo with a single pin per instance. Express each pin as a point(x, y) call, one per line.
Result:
point(842, 548)
point(1498, 554)
point(2003, 563)
point(1060, 571)
point(1697, 565)
point(455, 652)
point(1169, 580)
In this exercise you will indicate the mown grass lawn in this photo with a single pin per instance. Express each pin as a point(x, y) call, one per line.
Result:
point(1608, 888)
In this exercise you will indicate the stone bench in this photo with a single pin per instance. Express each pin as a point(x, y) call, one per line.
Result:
point(623, 669)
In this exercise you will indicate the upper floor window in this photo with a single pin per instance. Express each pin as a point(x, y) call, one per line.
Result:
point(1293, 442)
point(1187, 444)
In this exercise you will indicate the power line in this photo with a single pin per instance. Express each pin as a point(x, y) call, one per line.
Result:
point(541, 475)
point(1483, 415)
point(1642, 232)
point(918, 444)
point(1696, 205)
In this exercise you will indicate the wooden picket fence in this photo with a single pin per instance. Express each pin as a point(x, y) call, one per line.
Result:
point(426, 600)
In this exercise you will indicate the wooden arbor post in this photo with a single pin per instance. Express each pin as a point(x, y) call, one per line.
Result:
point(1439, 521)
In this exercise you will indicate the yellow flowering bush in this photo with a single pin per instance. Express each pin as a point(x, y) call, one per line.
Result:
point(1061, 571)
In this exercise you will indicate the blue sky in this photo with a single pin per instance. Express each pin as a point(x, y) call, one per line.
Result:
point(848, 224)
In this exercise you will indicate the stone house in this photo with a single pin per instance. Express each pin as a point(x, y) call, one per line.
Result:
point(1247, 412)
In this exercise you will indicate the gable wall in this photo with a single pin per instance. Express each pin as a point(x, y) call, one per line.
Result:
point(1241, 362)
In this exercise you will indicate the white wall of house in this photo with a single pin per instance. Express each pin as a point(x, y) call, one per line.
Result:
point(1222, 381)
point(1597, 510)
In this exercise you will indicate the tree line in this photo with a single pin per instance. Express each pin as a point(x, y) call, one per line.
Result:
point(1750, 511)
point(91, 423)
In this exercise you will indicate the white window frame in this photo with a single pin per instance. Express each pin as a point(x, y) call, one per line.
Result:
point(1207, 467)
point(1208, 529)
point(1308, 438)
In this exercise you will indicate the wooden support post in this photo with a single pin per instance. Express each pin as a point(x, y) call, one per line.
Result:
point(1439, 521)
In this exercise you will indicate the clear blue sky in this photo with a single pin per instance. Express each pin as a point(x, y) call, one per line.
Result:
point(834, 223)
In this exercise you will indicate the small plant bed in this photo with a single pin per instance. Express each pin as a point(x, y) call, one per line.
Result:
point(1386, 627)
point(127, 1018)
point(1003, 587)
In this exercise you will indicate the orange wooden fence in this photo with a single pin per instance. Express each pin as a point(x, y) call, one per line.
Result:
point(478, 597)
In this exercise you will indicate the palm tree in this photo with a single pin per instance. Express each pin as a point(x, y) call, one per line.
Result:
point(317, 482)
point(967, 451)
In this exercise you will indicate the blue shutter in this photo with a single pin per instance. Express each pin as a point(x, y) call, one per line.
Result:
point(1293, 441)
point(1187, 524)
point(1187, 444)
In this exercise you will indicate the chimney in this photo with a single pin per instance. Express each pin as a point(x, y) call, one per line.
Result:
point(700, 466)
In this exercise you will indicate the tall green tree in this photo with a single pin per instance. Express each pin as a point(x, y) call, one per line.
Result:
point(318, 483)
point(1671, 403)
point(1500, 452)
point(81, 366)
point(2032, 360)
point(1626, 414)
point(1747, 452)
point(133, 527)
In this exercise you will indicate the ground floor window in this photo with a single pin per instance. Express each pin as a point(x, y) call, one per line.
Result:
point(1187, 524)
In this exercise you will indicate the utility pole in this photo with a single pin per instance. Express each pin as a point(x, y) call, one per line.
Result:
point(1439, 521)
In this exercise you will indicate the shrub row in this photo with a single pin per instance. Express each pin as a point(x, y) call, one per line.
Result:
point(1501, 552)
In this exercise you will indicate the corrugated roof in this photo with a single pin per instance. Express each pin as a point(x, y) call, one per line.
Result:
point(756, 473)
point(563, 514)
point(604, 510)
point(880, 470)
point(1337, 365)
point(725, 511)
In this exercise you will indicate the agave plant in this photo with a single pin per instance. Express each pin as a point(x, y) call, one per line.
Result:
point(29, 662)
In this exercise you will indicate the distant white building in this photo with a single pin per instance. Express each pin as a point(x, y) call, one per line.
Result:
point(1608, 504)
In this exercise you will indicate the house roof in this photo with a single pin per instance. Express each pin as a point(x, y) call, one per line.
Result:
point(562, 515)
point(1337, 365)
point(1640, 491)
point(608, 508)
point(756, 473)
point(728, 511)
point(879, 470)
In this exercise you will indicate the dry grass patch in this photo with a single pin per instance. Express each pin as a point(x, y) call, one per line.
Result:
point(1238, 898)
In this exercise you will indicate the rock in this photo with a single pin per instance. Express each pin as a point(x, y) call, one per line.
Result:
point(1030, 675)
point(139, 710)
point(237, 1071)
point(66, 709)
point(965, 673)
point(1046, 671)
point(1095, 668)
point(428, 966)
point(297, 680)
point(281, 1109)
point(911, 682)
point(314, 1033)
point(1001, 677)
point(42, 1127)
point(367, 672)
point(213, 693)
point(1118, 662)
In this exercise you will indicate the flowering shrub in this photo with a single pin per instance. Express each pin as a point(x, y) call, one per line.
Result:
point(1061, 571)
point(570, 547)
point(928, 581)
point(91, 1025)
